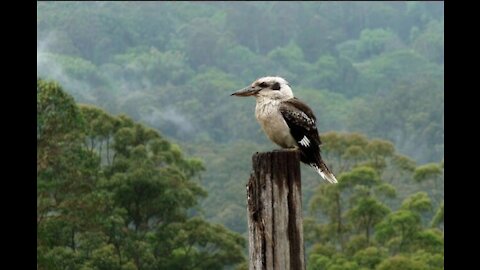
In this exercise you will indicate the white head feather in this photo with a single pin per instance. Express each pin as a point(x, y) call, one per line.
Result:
point(270, 87)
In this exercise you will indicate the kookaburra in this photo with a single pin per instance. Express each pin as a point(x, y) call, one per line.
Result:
point(287, 121)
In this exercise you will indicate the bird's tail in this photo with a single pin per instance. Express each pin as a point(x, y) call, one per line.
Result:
point(324, 172)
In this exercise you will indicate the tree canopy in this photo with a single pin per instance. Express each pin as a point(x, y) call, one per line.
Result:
point(141, 88)
point(115, 194)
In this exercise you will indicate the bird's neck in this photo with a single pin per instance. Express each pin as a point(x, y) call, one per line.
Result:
point(262, 100)
point(265, 107)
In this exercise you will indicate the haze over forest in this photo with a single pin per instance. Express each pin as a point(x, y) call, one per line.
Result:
point(373, 73)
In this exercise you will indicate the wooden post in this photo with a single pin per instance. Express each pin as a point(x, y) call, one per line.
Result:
point(275, 227)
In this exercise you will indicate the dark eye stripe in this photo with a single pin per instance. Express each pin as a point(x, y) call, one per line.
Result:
point(276, 86)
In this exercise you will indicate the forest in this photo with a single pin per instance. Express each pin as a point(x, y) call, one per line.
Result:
point(143, 156)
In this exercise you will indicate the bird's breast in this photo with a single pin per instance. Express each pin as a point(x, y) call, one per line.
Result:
point(273, 124)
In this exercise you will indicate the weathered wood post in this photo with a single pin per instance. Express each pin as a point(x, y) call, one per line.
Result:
point(275, 230)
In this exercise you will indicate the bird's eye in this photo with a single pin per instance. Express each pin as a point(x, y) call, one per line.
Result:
point(276, 86)
point(263, 84)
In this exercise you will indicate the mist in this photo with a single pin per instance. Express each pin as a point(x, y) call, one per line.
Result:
point(372, 73)
point(124, 70)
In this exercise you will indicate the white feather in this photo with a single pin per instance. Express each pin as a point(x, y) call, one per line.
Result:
point(327, 176)
point(305, 141)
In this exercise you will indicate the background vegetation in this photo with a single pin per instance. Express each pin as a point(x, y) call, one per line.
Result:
point(117, 190)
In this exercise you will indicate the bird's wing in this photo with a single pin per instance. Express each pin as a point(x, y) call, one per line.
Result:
point(301, 121)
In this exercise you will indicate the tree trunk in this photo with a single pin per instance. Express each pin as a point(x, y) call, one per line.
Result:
point(275, 212)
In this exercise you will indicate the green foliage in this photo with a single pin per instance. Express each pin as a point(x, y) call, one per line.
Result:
point(369, 257)
point(58, 258)
point(388, 117)
point(113, 194)
point(134, 60)
point(402, 230)
point(372, 42)
point(431, 176)
point(404, 163)
point(431, 261)
point(288, 58)
point(401, 263)
point(430, 42)
point(162, 67)
point(354, 220)
point(336, 262)
point(426, 172)
point(438, 218)
point(374, 69)
point(366, 213)
point(418, 202)
point(197, 244)
point(365, 176)
point(57, 114)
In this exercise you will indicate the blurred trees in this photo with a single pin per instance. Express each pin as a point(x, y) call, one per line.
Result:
point(373, 68)
point(115, 194)
point(373, 55)
point(354, 225)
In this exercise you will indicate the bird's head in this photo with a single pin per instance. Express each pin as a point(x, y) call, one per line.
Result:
point(267, 87)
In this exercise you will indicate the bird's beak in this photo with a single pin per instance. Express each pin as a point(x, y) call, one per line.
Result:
point(247, 91)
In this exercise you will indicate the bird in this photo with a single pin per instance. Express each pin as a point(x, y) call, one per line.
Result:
point(287, 121)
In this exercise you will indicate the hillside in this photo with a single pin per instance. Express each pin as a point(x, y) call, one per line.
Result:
point(373, 73)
